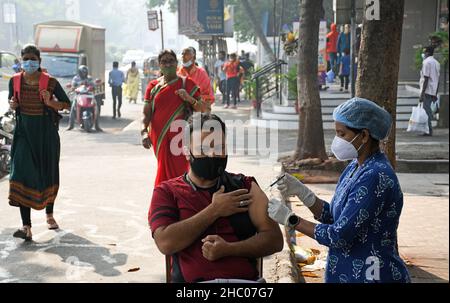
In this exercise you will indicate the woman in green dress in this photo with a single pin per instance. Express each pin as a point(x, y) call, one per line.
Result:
point(34, 180)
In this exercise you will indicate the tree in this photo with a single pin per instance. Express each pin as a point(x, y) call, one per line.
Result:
point(311, 143)
point(258, 29)
point(173, 4)
point(379, 59)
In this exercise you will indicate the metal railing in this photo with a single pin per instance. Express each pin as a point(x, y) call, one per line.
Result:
point(268, 83)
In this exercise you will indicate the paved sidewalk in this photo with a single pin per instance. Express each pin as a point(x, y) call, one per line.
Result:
point(410, 146)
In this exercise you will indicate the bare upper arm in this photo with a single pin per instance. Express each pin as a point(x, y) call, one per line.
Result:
point(258, 211)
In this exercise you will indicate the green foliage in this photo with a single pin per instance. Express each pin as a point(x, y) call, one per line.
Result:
point(242, 24)
point(250, 86)
point(173, 4)
point(440, 53)
point(291, 78)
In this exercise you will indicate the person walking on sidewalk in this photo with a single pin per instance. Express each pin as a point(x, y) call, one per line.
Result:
point(132, 80)
point(360, 224)
point(332, 38)
point(116, 80)
point(343, 41)
point(168, 99)
point(34, 180)
point(344, 70)
point(429, 83)
point(232, 70)
point(197, 74)
point(221, 78)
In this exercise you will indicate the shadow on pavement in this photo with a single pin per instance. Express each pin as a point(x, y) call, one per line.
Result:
point(419, 275)
point(79, 255)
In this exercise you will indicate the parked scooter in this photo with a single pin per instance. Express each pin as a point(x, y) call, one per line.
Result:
point(7, 126)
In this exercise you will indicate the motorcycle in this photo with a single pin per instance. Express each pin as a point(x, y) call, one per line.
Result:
point(7, 126)
point(86, 107)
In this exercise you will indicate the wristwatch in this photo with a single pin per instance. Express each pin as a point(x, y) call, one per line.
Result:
point(293, 221)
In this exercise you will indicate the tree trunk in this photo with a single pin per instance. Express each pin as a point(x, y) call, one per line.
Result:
point(378, 63)
point(311, 143)
point(258, 29)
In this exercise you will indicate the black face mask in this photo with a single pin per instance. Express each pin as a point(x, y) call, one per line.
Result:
point(208, 168)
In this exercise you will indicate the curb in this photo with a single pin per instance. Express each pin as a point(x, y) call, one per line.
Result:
point(409, 166)
point(422, 166)
point(280, 266)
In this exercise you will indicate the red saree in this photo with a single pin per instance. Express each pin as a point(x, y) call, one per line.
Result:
point(167, 108)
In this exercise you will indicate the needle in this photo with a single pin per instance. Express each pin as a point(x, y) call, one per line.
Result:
point(276, 181)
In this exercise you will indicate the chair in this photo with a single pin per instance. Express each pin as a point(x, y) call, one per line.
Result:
point(259, 266)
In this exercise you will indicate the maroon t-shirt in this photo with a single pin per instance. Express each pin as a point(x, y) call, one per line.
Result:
point(176, 200)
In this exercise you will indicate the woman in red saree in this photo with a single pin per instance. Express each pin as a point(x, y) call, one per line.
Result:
point(168, 99)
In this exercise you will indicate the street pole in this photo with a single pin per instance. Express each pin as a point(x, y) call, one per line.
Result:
point(17, 28)
point(162, 29)
point(353, 47)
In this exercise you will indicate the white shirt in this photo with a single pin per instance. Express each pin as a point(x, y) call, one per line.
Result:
point(430, 69)
point(218, 65)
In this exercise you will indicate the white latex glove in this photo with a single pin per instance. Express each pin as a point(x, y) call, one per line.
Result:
point(279, 212)
point(291, 186)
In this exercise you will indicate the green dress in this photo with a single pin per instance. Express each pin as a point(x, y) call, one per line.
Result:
point(34, 178)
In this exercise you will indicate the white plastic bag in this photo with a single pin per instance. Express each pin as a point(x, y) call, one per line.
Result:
point(435, 107)
point(419, 120)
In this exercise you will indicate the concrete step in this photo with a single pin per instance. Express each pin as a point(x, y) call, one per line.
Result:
point(278, 109)
point(292, 116)
point(422, 166)
point(270, 121)
point(412, 101)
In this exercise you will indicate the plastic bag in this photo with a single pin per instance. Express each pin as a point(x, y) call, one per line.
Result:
point(303, 255)
point(434, 107)
point(419, 120)
point(330, 76)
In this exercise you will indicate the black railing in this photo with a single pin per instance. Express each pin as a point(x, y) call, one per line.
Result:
point(268, 83)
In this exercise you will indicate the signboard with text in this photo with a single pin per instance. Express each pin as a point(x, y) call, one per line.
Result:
point(201, 17)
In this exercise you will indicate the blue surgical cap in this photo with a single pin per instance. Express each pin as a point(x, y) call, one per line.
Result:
point(361, 113)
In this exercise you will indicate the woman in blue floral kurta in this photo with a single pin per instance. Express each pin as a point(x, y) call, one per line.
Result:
point(360, 224)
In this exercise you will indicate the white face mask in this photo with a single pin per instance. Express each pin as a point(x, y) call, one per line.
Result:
point(188, 64)
point(423, 56)
point(344, 150)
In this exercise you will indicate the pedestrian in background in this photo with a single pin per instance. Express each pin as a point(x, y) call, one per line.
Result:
point(17, 67)
point(343, 42)
point(34, 180)
point(429, 83)
point(221, 78)
point(344, 70)
point(132, 80)
point(168, 99)
point(116, 80)
point(232, 70)
point(198, 74)
point(332, 39)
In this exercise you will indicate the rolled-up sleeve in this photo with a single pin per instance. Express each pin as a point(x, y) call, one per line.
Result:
point(163, 209)
point(364, 199)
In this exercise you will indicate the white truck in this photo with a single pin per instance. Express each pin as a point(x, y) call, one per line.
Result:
point(65, 45)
